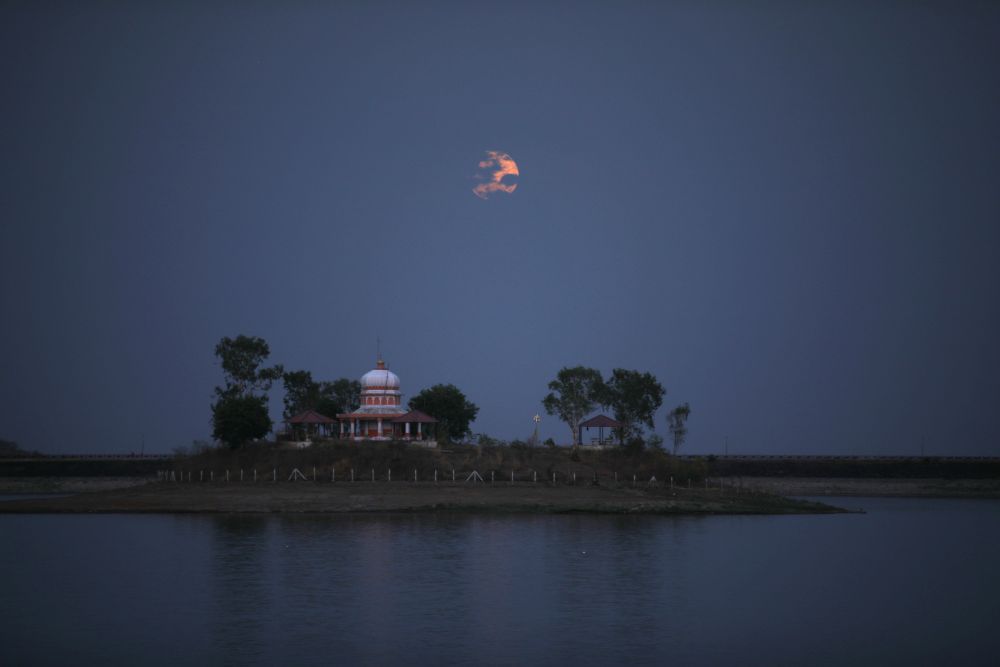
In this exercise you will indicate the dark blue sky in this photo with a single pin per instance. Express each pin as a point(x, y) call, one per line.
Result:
point(788, 212)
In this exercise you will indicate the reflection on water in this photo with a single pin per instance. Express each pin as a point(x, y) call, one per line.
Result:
point(911, 581)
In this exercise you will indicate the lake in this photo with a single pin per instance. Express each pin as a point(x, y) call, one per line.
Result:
point(909, 582)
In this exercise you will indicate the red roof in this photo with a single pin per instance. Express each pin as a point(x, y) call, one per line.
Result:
point(310, 417)
point(415, 416)
point(601, 420)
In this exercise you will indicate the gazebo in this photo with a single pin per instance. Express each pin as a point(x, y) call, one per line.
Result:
point(601, 422)
point(312, 422)
point(410, 426)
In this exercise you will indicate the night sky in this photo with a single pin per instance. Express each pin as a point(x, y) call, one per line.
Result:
point(788, 212)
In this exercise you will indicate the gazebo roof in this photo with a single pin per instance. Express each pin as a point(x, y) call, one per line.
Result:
point(310, 417)
point(601, 420)
point(415, 416)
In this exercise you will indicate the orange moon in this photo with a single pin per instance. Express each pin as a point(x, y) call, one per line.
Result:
point(498, 173)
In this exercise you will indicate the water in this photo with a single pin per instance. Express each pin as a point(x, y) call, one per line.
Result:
point(911, 582)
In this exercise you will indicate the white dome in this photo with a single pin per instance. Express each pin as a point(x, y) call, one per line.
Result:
point(380, 378)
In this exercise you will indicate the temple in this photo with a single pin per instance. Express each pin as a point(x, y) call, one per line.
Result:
point(381, 415)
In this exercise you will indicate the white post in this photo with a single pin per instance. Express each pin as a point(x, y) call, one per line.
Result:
point(574, 478)
point(211, 476)
point(333, 474)
point(493, 476)
point(553, 479)
point(511, 476)
point(201, 475)
point(255, 474)
point(633, 480)
point(435, 475)
point(314, 473)
point(390, 474)
point(379, 423)
point(275, 475)
point(352, 474)
point(373, 474)
point(420, 431)
point(227, 474)
point(407, 428)
point(414, 474)
point(453, 474)
point(671, 481)
point(536, 477)
point(241, 474)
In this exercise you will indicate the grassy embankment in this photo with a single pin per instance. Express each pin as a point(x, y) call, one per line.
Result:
point(399, 460)
point(610, 481)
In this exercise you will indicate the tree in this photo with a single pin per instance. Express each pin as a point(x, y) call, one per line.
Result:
point(241, 359)
point(327, 398)
point(239, 419)
point(339, 396)
point(677, 424)
point(572, 396)
point(635, 397)
point(449, 406)
point(13, 450)
point(301, 393)
point(240, 411)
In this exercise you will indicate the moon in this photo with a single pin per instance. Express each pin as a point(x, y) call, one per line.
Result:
point(498, 173)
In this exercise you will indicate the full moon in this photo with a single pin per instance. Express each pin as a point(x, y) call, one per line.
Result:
point(497, 173)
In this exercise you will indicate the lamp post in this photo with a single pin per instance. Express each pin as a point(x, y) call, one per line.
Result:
point(534, 438)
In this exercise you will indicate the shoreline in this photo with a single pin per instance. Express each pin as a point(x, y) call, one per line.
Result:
point(406, 497)
point(847, 487)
